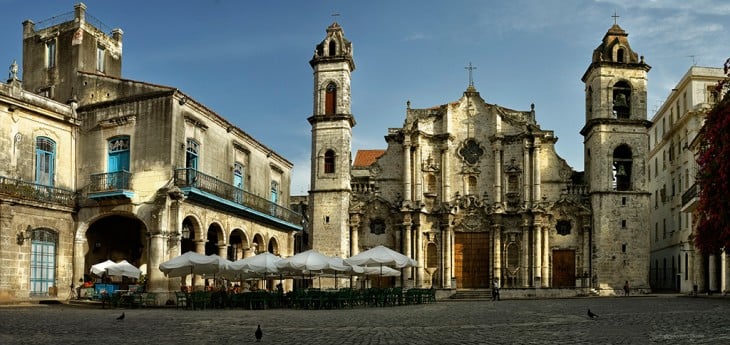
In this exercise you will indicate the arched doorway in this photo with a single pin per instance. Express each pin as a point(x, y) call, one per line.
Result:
point(237, 245)
point(116, 238)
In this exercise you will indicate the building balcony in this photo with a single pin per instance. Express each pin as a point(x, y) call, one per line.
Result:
point(690, 198)
point(211, 191)
point(113, 185)
point(36, 192)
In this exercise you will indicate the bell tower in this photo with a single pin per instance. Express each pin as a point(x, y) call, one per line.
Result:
point(332, 122)
point(615, 150)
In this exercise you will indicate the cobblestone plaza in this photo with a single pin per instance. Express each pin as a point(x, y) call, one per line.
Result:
point(631, 320)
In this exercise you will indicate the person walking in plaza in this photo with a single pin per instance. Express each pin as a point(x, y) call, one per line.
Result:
point(495, 289)
point(626, 288)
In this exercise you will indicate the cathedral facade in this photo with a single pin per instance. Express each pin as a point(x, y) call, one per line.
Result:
point(476, 192)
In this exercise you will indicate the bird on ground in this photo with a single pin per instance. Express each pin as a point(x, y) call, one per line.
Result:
point(259, 333)
point(120, 317)
point(591, 315)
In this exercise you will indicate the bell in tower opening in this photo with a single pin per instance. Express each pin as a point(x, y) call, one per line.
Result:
point(621, 97)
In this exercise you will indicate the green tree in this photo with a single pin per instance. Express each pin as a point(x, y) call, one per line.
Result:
point(713, 178)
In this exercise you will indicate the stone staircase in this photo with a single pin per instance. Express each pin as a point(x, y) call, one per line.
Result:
point(472, 294)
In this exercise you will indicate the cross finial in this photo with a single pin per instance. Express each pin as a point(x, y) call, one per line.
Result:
point(615, 17)
point(335, 15)
point(471, 69)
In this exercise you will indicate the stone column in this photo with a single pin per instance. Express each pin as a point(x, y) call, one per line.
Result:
point(537, 273)
point(446, 174)
point(407, 244)
point(354, 240)
point(545, 274)
point(526, 281)
point(536, 170)
point(725, 262)
point(497, 172)
point(197, 281)
point(712, 277)
point(78, 260)
point(418, 256)
point(418, 175)
point(156, 281)
point(496, 229)
point(407, 171)
point(447, 246)
point(526, 175)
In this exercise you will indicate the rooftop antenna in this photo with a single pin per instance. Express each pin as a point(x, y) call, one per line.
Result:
point(694, 61)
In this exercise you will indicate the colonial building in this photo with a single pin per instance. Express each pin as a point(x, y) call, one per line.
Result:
point(128, 170)
point(675, 264)
point(475, 191)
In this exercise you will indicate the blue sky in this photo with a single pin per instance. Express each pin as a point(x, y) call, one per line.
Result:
point(248, 60)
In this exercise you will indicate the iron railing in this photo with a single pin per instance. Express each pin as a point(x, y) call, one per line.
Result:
point(108, 182)
point(36, 192)
point(195, 179)
point(691, 193)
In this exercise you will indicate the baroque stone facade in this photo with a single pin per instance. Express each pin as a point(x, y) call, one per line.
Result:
point(474, 191)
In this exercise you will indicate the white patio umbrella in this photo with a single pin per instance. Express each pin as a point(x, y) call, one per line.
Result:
point(100, 268)
point(381, 255)
point(310, 260)
point(123, 268)
point(190, 263)
point(263, 264)
point(383, 271)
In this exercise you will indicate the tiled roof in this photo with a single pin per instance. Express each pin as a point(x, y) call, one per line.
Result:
point(366, 158)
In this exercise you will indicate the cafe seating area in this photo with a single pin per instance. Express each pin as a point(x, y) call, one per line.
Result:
point(304, 298)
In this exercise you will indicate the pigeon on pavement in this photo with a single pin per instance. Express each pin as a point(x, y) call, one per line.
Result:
point(591, 315)
point(259, 333)
point(121, 317)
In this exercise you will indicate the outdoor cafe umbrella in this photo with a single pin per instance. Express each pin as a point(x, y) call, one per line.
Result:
point(262, 264)
point(382, 256)
point(190, 263)
point(100, 268)
point(310, 260)
point(123, 268)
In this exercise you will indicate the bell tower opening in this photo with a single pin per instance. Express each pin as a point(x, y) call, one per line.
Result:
point(330, 99)
point(622, 162)
point(621, 100)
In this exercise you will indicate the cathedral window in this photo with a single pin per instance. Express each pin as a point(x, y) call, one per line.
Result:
point(377, 226)
point(589, 101)
point(330, 99)
point(622, 100)
point(620, 55)
point(332, 48)
point(622, 167)
point(329, 162)
point(563, 227)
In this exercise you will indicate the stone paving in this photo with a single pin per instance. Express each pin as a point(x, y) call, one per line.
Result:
point(622, 320)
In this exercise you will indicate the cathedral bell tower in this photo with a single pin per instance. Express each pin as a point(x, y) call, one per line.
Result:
point(332, 122)
point(615, 150)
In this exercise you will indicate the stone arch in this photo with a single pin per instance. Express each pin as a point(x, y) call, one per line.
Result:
point(622, 167)
point(238, 244)
point(214, 238)
point(258, 244)
point(116, 237)
point(273, 246)
point(622, 92)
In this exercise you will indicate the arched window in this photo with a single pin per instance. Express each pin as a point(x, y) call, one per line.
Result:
point(45, 161)
point(332, 48)
point(329, 162)
point(330, 99)
point(622, 100)
point(43, 261)
point(620, 55)
point(622, 166)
